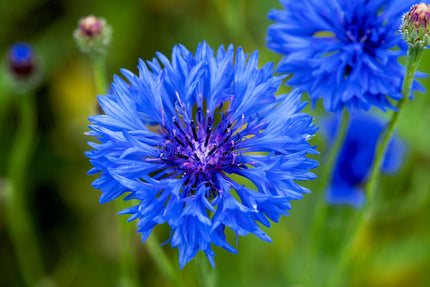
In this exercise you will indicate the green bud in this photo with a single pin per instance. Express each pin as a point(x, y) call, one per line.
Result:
point(416, 25)
point(93, 35)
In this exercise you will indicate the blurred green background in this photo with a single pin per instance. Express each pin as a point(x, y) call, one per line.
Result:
point(78, 236)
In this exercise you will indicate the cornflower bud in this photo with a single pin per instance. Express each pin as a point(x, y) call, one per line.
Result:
point(93, 35)
point(21, 61)
point(416, 24)
point(22, 66)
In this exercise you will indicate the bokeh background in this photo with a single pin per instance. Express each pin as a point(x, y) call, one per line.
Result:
point(79, 237)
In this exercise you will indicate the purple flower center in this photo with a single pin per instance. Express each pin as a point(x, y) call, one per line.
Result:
point(200, 147)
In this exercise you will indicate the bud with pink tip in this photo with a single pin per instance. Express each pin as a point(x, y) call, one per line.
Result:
point(93, 35)
point(416, 26)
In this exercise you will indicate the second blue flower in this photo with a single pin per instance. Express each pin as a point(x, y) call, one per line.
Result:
point(343, 52)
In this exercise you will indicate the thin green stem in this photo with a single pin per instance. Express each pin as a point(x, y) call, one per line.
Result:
point(128, 262)
point(363, 216)
point(19, 219)
point(232, 16)
point(99, 71)
point(336, 275)
point(208, 276)
point(321, 210)
point(5, 103)
point(128, 266)
point(413, 60)
point(162, 261)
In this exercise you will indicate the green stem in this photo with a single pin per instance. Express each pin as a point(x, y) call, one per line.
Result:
point(232, 18)
point(128, 262)
point(412, 62)
point(340, 265)
point(18, 216)
point(162, 261)
point(207, 275)
point(320, 218)
point(128, 266)
point(99, 71)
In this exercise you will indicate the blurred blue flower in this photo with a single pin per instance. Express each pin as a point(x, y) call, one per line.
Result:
point(216, 117)
point(356, 156)
point(21, 60)
point(342, 51)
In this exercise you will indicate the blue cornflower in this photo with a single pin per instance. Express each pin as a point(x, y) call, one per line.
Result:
point(218, 121)
point(342, 51)
point(356, 156)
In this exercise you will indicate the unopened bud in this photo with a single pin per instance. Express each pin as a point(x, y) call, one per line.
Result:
point(22, 67)
point(93, 35)
point(22, 63)
point(90, 26)
point(416, 25)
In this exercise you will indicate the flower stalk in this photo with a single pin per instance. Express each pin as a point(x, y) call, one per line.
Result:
point(208, 277)
point(412, 62)
point(24, 75)
point(93, 37)
point(320, 217)
point(417, 18)
point(128, 261)
point(415, 31)
point(18, 216)
point(99, 70)
point(162, 261)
